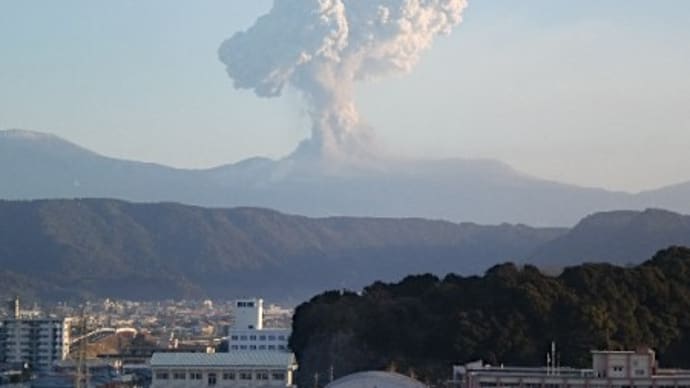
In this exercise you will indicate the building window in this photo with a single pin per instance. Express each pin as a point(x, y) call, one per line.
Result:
point(196, 375)
point(271, 347)
point(245, 376)
point(234, 347)
point(243, 347)
point(228, 375)
point(281, 337)
point(252, 347)
point(271, 338)
point(262, 347)
point(278, 376)
point(234, 337)
point(262, 375)
point(161, 375)
point(639, 372)
point(177, 375)
point(243, 337)
point(262, 338)
point(281, 347)
point(211, 379)
point(252, 338)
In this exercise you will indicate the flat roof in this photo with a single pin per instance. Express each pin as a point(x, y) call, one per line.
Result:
point(233, 358)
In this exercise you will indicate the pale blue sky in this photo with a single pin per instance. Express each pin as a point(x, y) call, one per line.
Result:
point(590, 92)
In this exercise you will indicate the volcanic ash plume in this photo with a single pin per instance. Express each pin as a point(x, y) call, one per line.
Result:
point(321, 47)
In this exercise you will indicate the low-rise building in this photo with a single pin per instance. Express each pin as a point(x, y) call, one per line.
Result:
point(610, 369)
point(233, 369)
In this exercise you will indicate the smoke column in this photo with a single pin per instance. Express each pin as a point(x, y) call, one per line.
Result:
point(322, 47)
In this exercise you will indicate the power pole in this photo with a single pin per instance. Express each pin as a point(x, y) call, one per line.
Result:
point(81, 376)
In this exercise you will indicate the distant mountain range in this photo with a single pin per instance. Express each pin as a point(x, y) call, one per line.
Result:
point(35, 166)
point(64, 249)
point(617, 237)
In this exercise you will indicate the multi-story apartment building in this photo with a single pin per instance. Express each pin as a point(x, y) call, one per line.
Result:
point(38, 342)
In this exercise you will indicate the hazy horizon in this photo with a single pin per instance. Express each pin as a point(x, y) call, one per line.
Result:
point(584, 93)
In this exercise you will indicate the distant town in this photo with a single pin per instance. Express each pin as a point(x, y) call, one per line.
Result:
point(241, 343)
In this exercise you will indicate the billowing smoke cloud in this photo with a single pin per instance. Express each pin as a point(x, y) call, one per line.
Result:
point(321, 47)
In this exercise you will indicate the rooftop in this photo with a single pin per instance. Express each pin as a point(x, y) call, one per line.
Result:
point(234, 358)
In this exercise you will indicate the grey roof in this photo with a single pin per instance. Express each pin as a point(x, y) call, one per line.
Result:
point(233, 358)
point(376, 379)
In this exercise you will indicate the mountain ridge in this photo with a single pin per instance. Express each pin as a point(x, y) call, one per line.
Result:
point(484, 191)
point(618, 237)
point(78, 248)
point(102, 247)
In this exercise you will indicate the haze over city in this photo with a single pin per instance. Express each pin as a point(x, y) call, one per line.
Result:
point(583, 92)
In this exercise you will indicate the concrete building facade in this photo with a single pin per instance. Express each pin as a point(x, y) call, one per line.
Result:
point(610, 369)
point(38, 342)
point(248, 332)
point(234, 369)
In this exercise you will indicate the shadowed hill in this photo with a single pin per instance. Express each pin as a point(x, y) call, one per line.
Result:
point(111, 248)
point(424, 324)
point(619, 237)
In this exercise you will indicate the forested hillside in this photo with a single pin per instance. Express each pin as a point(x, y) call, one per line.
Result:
point(63, 249)
point(425, 324)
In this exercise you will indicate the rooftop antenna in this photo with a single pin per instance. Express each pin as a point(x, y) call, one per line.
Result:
point(548, 363)
point(554, 369)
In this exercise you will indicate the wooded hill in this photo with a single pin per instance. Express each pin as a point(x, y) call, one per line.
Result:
point(423, 324)
point(64, 249)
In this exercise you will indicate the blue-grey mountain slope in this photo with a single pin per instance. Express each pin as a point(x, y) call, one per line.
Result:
point(34, 166)
point(62, 249)
point(617, 237)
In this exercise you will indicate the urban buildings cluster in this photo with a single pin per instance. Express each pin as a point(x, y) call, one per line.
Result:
point(239, 343)
point(119, 343)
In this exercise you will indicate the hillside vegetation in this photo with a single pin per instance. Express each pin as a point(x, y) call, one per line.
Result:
point(62, 249)
point(423, 324)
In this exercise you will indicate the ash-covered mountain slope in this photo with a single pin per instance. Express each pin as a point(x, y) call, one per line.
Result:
point(36, 166)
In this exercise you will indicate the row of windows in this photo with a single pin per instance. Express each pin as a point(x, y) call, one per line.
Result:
point(260, 337)
point(259, 347)
point(212, 377)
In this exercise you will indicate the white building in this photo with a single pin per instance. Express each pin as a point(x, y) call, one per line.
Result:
point(248, 314)
point(38, 342)
point(610, 369)
point(266, 339)
point(248, 332)
point(234, 369)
